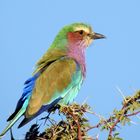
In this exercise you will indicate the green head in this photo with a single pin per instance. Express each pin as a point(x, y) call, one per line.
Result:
point(74, 33)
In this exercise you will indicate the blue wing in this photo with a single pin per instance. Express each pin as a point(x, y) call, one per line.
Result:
point(27, 91)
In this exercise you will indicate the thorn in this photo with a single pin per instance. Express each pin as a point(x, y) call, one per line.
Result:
point(122, 94)
point(53, 122)
point(138, 117)
point(86, 116)
point(97, 136)
point(85, 100)
point(133, 122)
point(99, 116)
point(106, 122)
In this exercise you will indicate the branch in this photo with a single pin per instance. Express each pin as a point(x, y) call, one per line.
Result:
point(73, 124)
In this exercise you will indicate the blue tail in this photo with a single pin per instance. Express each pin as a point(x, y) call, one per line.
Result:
point(22, 103)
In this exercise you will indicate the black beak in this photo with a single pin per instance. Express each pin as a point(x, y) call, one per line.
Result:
point(97, 36)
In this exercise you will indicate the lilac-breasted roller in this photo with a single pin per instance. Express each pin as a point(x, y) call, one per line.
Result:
point(58, 76)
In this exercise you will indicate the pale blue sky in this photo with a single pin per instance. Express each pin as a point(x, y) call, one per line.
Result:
point(27, 29)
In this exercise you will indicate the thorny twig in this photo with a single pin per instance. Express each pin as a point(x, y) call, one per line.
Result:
point(76, 126)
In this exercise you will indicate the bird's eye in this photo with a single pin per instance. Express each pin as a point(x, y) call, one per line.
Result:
point(81, 32)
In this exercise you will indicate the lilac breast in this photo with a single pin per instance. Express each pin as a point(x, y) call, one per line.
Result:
point(77, 52)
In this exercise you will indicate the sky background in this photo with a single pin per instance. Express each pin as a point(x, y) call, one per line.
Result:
point(27, 29)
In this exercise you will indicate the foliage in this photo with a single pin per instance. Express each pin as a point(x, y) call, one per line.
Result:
point(75, 126)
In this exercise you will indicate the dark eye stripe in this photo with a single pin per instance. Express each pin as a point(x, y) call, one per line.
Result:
point(81, 32)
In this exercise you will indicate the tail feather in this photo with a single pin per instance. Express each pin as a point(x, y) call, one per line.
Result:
point(16, 117)
point(25, 121)
point(16, 110)
point(13, 121)
point(22, 103)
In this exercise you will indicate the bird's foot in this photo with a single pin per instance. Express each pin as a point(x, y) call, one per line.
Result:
point(46, 118)
point(54, 108)
point(49, 112)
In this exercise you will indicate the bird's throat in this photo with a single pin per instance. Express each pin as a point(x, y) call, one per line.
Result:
point(77, 52)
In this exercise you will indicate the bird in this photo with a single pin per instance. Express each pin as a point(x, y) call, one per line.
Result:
point(58, 75)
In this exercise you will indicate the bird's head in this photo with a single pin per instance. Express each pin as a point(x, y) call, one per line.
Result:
point(76, 33)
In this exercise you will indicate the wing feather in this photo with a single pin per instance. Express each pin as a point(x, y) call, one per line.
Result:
point(51, 84)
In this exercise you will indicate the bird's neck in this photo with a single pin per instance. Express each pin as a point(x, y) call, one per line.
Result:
point(77, 52)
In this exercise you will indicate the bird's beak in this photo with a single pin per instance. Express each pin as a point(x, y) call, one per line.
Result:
point(96, 36)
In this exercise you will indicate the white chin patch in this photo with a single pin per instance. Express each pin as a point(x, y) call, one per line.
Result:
point(88, 41)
